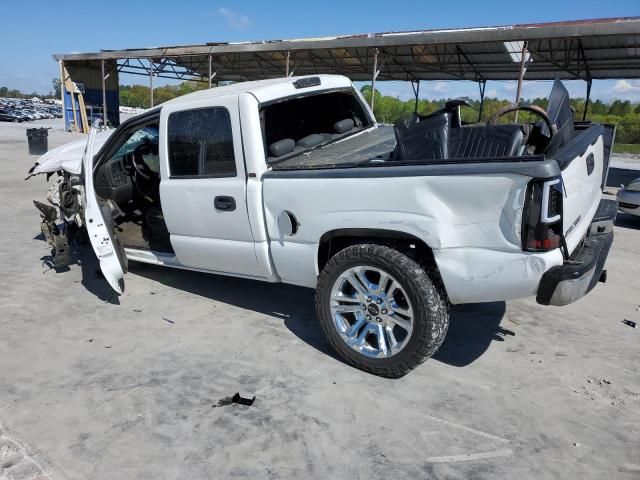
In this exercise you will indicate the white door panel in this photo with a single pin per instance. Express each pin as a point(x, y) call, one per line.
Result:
point(189, 209)
point(206, 214)
point(110, 255)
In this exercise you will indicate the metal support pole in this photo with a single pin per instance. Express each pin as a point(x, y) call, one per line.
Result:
point(210, 60)
point(104, 97)
point(151, 82)
point(288, 59)
point(64, 111)
point(523, 68)
point(373, 77)
point(417, 92)
point(586, 102)
point(482, 84)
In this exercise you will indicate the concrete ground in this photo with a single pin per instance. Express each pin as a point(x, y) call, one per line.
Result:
point(93, 386)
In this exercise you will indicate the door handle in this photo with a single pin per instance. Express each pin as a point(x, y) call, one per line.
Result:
point(224, 203)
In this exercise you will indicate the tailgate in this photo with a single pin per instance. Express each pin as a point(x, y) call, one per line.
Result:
point(583, 167)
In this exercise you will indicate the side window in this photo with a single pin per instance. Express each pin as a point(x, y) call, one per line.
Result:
point(201, 143)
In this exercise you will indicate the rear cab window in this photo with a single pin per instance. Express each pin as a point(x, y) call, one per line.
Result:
point(292, 126)
point(200, 143)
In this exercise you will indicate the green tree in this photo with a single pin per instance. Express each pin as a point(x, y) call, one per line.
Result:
point(620, 108)
point(139, 95)
point(598, 108)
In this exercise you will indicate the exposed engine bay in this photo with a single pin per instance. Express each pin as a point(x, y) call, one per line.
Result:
point(66, 195)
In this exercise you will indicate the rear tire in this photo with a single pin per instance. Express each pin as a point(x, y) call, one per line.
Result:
point(348, 313)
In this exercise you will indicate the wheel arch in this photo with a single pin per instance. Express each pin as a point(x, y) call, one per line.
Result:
point(334, 241)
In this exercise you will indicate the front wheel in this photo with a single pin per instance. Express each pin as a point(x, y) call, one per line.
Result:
point(380, 310)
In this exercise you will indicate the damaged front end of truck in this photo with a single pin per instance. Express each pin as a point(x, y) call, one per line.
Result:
point(65, 203)
point(62, 218)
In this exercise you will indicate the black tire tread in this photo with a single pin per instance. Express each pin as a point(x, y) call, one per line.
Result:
point(430, 326)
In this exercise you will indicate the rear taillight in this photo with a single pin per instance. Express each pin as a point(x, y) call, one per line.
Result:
point(542, 216)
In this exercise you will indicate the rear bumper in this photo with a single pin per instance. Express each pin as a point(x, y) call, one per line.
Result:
point(571, 281)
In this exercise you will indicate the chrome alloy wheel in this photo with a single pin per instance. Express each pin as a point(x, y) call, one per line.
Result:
point(371, 311)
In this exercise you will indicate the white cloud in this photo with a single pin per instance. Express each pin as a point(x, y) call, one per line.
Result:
point(235, 20)
point(625, 86)
point(440, 87)
point(394, 89)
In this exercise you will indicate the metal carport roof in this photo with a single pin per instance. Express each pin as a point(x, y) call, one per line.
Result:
point(582, 49)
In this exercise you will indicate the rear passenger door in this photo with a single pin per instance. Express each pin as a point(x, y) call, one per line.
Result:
point(203, 187)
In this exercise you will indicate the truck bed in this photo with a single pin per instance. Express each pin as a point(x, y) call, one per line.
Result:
point(373, 148)
point(375, 144)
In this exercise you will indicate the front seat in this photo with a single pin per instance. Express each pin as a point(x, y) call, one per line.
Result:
point(422, 139)
point(485, 141)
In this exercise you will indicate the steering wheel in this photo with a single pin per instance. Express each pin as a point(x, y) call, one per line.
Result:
point(142, 169)
point(514, 107)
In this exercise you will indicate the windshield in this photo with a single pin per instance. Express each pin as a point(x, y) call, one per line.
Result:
point(148, 134)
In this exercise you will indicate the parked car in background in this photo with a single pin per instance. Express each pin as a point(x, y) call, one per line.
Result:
point(25, 110)
point(629, 198)
point(9, 116)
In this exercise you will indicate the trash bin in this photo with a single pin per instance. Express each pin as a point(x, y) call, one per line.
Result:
point(38, 140)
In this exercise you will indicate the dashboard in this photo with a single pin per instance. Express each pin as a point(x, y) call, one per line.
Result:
point(112, 181)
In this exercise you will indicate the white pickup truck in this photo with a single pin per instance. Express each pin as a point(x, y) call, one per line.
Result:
point(292, 180)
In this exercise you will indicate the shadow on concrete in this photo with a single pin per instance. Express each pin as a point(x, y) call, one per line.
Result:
point(92, 279)
point(293, 305)
point(471, 331)
point(472, 328)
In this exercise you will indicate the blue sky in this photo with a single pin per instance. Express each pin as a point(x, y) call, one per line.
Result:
point(28, 38)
